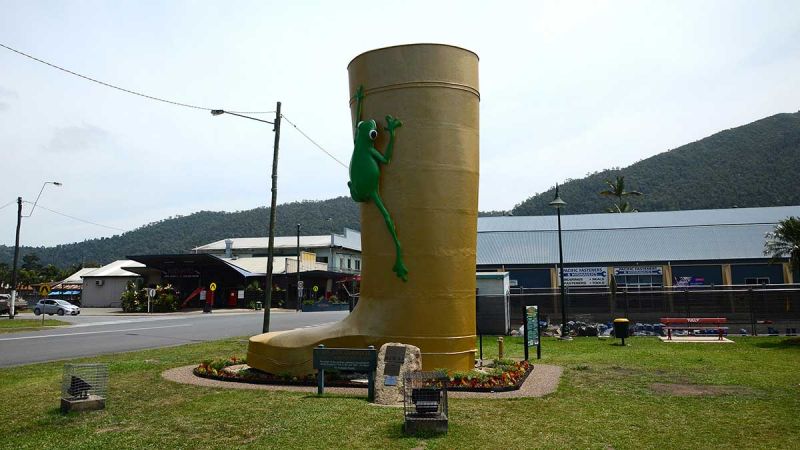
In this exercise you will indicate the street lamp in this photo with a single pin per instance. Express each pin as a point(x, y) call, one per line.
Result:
point(557, 203)
point(12, 309)
point(271, 251)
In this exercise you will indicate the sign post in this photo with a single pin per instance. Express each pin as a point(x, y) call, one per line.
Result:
point(210, 298)
point(532, 337)
point(151, 293)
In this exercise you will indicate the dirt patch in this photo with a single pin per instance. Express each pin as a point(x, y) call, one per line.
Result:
point(698, 390)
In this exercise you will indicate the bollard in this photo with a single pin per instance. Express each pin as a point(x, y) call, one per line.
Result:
point(500, 347)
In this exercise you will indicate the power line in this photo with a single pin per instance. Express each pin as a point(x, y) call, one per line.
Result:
point(103, 83)
point(76, 218)
point(8, 204)
point(314, 142)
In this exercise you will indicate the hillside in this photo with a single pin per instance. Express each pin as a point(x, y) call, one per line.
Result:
point(181, 234)
point(751, 165)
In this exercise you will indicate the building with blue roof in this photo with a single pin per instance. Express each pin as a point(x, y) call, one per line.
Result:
point(645, 249)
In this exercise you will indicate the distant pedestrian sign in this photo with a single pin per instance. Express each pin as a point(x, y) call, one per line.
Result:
point(212, 287)
point(315, 288)
point(44, 290)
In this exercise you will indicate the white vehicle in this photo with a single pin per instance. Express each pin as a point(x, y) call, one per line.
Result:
point(60, 307)
point(5, 304)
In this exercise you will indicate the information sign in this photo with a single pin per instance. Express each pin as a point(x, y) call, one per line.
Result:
point(585, 276)
point(638, 270)
point(531, 325)
point(532, 321)
point(346, 359)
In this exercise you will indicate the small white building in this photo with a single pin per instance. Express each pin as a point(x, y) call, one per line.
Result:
point(103, 287)
point(492, 307)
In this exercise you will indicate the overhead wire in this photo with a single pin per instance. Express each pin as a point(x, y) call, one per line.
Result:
point(8, 204)
point(39, 205)
point(171, 102)
point(129, 91)
point(313, 141)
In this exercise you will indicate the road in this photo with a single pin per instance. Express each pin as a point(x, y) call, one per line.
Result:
point(97, 335)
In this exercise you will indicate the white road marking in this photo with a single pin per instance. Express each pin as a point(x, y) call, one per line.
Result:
point(92, 332)
point(153, 319)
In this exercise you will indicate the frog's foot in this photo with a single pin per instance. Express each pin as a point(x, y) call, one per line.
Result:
point(392, 123)
point(400, 269)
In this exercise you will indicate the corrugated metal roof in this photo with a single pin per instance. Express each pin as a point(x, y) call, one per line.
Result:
point(641, 237)
point(76, 278)
point(253, 266)
point(115, 269)
point(639, 220)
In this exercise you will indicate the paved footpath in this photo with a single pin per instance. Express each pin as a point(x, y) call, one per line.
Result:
point(106, 332)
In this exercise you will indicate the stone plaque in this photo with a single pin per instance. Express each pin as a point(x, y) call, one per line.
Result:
point(394, 361)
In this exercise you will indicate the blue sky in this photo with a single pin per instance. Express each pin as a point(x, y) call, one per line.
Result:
point(566, 88)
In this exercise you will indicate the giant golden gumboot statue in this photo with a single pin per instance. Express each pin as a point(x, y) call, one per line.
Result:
point(430, 189)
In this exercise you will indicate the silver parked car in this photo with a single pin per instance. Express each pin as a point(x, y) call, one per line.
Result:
point(60, 307)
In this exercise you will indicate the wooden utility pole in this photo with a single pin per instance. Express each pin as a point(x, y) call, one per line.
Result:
point(12, 306)
point(271, 251)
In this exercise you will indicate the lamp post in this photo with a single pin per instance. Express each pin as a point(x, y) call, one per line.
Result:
point(12, 308)
point(557, 203)
point(270, 252)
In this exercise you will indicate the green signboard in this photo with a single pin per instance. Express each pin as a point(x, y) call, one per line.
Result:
point(532, 321)
point(532, 338)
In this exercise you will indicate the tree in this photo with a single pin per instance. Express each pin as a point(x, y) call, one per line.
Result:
point(616, 189)
point(31, 262)
point(784, 241)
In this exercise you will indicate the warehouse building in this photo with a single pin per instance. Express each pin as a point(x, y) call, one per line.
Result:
point(636, 250)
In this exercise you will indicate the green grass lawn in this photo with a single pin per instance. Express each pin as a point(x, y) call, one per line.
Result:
point(17, 325)
point(605, 400)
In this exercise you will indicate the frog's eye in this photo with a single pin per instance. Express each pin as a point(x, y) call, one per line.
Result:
point(373, 134)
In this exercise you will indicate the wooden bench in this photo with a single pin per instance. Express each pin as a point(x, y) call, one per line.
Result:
point(694, 323)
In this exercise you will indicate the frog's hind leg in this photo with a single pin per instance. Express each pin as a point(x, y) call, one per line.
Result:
point(399, 267)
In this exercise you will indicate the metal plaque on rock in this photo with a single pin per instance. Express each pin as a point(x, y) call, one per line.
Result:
point(395, 356)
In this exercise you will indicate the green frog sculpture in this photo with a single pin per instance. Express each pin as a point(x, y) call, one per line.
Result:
point(365, 171)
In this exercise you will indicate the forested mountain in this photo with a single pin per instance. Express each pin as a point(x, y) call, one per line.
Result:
point(181, 234)
point(752, 165)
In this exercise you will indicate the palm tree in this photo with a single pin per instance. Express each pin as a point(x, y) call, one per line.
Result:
point(785, 241)
point(617, 189)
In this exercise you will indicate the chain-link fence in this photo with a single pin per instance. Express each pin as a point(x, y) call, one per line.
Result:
point(758, 309)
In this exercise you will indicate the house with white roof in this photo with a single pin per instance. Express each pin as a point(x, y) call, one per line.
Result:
point(103, 287)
